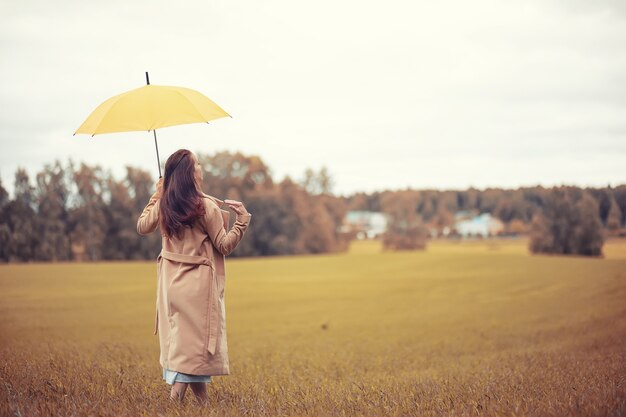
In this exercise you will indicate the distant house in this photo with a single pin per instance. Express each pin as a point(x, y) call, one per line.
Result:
point(481, 225)
point(366, 224)
point(465, 215)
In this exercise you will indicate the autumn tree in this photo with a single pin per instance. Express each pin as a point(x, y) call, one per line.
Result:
point(273, 229)
point(619, 193)
point(569, 223)
point(315, 233)
point(5, 231)
point(317, 183)
point(468, 199)
point(443, 218)
point(51, 194)
point(121, 240)
point(405, 230)
point(20, 218)
point(4, 195)
point(614, 215)
point(603, 197)
point(86, 217)
point(588, 234)
point(225, 171)
point(426, 204)
point(141, 186)
point(511, 208)
point(359, 201)
point(337, 208)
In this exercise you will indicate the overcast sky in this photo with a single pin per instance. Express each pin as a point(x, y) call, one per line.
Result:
point(437, 94)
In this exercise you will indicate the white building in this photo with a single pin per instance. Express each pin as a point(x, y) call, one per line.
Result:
point(484, 225)
point(367, 224)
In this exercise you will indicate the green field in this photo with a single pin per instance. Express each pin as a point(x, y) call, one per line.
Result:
point(460, 329)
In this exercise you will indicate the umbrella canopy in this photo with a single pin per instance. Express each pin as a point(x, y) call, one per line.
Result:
point(151, 107)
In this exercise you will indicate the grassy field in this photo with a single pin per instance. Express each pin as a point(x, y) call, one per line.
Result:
point(460, 329)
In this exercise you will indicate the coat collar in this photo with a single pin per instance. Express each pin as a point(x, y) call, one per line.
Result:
point(217, 201)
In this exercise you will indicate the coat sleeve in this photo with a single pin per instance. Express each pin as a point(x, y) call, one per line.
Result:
point(149, 219)
point(225, 242)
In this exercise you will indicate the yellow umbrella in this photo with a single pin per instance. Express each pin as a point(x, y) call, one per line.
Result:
point(149, 108)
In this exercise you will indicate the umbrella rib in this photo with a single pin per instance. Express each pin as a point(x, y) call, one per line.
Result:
point(106, 114)
point(193, 105)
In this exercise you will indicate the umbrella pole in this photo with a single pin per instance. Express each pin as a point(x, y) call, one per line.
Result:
point(157, 150)
point(154, 132)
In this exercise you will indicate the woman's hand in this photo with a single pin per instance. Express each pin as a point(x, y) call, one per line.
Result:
point(236, 206)
point(159, 187)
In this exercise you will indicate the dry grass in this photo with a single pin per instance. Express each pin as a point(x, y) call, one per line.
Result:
point(460, 329)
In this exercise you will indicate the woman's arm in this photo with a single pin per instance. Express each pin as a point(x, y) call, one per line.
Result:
point(149, 218)
point(225, 242)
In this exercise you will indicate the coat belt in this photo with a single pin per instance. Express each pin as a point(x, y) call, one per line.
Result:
point(213, 306)
point(187, 259)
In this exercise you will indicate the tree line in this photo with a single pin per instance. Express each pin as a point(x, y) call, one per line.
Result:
point(559, 220)
point(76, 211)
point(80, 212)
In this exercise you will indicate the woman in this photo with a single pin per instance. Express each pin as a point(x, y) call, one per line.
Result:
point(190, 310)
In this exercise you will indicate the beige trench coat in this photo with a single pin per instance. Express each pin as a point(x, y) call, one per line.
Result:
point(190, 315)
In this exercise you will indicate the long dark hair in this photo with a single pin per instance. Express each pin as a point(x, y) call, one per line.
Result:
point(181, 202)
